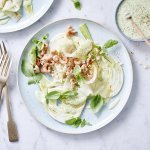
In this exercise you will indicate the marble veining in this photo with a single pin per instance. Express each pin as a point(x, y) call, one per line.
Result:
point(129, 131)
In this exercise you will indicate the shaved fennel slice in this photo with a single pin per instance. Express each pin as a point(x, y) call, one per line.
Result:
point(2, 3)
point(111, 79)
point(82, 96)
point(12, 6)
point(61, 112)
point(64, 110)
point(45, 84)
point(62, 43)
point(82, 47)
point(4, 21)
point(115, 73)
point(94, 66)
point(14, 15)
point(27, 4)
point(3, 15)
point(71, 46)
point(4, 18)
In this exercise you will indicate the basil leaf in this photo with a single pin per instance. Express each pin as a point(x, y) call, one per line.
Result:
point(71, 121)
point(77, 74)
point(97, 46)
point(77, 4)
point(68, 94)
point(35, 41)
point(96, 103)
point(54, 95)
point(31, 81)
point(76, 122)
point(80, 79)
point(39, 44)
point(110, 44)
point(45, 37)
point(77, 70)
point(27, 69)
point(33, 55)
point(35, 79)
point(83, 123)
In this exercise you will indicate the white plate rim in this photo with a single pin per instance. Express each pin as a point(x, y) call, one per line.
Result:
point(114, 114)
point(30, 23)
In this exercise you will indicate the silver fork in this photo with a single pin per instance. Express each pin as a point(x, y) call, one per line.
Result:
point(5, 64)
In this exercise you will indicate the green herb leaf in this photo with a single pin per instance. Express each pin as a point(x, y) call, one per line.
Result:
point(77, 4)
point(96, 103)
point(33, 55)
point(83, 123)
point(35, 79)
point(27, 69)
point(45, 37)
point(76, 122)
point(39, 44)
point(71, 121)
point(77, 70)
point(85, 31)
point(31, 81)
point(97, 46)
point(35, 41)
point(110, 44)
point(77, 74)
point(80, 79)
point(54, 95)
point(68, 94)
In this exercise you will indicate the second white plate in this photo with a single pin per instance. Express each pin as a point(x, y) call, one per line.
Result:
point(39, 9)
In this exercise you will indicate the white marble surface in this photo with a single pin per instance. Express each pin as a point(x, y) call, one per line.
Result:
point(129, 131)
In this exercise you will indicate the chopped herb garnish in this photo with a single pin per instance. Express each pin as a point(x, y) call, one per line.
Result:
point(97, 102)
point(27, 69)
point(35, 41)
point(71, 121)
point(40, 43)
point(77, 74)
point(35, 79)
point(110, 43)
point(33, 55)
point(55, 95)
point(77, 4)
point(77, 122)
point(68, 94)
point(45, 36)
point(77, 70)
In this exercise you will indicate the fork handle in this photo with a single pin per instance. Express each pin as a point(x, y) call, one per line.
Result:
point(8, 104)
point(1, 88)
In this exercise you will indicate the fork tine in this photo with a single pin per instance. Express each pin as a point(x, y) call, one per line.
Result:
point(3, 63)
point(5, 68)
point(8, 67)
point(4, 47)
point(1, 54)
point(1, 58)
point(1, 49)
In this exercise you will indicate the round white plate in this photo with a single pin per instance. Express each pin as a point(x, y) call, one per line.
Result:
point(39, 9)
point(106, 115)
